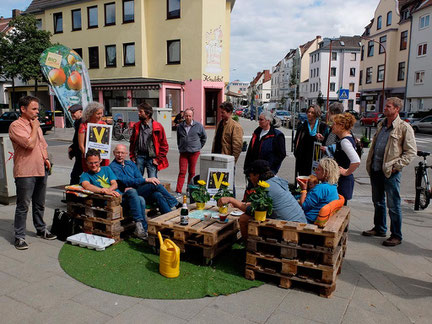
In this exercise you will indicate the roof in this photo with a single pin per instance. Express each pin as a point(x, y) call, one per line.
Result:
point(422, 4)
point(306, 46)
point(4, 24)
point(350, 43)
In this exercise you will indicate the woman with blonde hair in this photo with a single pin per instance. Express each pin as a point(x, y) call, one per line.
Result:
point(345, 155)
point(93, 113)
point(327, 173)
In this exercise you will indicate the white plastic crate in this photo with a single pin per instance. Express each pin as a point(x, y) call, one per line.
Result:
point(91, 241)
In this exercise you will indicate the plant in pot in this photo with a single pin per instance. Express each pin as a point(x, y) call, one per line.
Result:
point(200, 195)
point(223, 191)
point(261, 203)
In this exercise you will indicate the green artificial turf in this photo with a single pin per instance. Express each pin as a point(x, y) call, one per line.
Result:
point(131, 268)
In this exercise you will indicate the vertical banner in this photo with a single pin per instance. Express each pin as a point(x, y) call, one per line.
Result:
point(67, 75)
point(316, 157)
point(98, 137)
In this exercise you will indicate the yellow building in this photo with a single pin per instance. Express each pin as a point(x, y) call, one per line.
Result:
point(390, 27)
point(169, 53)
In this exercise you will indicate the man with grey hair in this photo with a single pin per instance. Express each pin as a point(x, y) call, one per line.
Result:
point(267, 143)
point(191, 138)
point(393, 147)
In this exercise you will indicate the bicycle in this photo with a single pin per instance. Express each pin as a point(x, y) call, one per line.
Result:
point(423, 186)
point(122, 130)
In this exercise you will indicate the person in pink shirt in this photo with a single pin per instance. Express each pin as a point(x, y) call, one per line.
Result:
point(30, 170)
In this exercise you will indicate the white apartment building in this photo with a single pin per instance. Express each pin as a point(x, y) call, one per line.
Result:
point(275, 83)
point(419, 83)
point(344, 71)
point(304, 63)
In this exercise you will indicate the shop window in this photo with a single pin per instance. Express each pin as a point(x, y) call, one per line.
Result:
point(172, 100)
point(404, 40)
point(109, 14)
point(149, 96)
point(92, 17)
point(173, 9)
point(380, 74)
point(401, 71)
point(173, 51)
point(114, 98)
point(110, 56)
point(93, 57)
point(129, 54)
point(76, 19)
point(58, 23)
point(128, 11)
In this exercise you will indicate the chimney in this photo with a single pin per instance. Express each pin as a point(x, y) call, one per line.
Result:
point(318, 37)
point(15, 13)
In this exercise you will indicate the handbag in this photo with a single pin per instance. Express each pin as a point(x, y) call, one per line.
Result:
point(63, 225)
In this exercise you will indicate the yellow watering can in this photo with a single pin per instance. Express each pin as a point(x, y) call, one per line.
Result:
point(169, 258)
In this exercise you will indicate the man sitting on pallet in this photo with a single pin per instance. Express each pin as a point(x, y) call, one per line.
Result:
point(129, 177)
point(102, 180)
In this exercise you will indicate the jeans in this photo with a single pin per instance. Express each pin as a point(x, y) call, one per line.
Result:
point(159, 195)
point(144, 162)
point(387, 188)
point(186, 159)
point(34, 189)
point(135, 205)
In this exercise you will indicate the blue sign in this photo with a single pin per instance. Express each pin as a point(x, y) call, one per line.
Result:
point(343, 94)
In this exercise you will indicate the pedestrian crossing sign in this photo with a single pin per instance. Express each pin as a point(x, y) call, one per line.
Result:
point(343, 94)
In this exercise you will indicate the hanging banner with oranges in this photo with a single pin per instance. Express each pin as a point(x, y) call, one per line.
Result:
point(68, 76)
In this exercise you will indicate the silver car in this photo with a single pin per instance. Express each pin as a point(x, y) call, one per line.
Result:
point(423, 125)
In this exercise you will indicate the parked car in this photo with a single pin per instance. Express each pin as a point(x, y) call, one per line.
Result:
point(409, 117)
point(239, 112)
point(301, 117)
point(354, 113)
point(423, 125)
point(45, 119)
point(284, 116)
point(246, 113)
point(371, 118)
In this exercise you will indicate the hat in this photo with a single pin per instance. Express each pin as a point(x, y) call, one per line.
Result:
point(258, 167)
point(75, 108)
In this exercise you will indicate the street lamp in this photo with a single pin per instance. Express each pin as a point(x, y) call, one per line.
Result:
point(385, 62)
point(328, 78)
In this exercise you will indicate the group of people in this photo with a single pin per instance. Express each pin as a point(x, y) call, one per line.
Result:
point(393, 147)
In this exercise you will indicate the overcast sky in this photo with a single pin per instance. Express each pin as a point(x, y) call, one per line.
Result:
point(263, 31)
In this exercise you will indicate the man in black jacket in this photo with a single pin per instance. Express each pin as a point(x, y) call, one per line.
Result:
point(73, 150)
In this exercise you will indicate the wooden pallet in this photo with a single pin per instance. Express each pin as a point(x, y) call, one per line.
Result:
point(103, 201)
point(306, 235)
point(295, 252)
point(110, 213)
point(205, 232)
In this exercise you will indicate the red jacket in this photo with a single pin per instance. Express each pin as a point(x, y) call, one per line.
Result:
point(159, 141)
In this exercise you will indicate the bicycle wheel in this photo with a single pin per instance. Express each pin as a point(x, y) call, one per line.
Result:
point(424, 194)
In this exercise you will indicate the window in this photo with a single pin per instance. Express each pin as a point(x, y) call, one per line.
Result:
point(334, 56)
point(268, 95)
point(367, 31)
point(422, 49)
point(92, 17)
point(419, 76)
point(380, 74)
point(404, 14)
point(424, 21)
point(352, 72)
point(317, 57)
point(389, 18)
point(361, 78)
point(350, 104)
point(173, 51)
point(109, 14)
point(401, 71)
point(39, 24)
point(368, 75)
point(362, 53)
point(353, 56)
point(383, 41)
point(76, 19)
point(58, 23)
point(310, 86)
point(404, 40)
point(129, 54)
point(93, 57)
point(317, 71)
point(379, 23)
point(333, 71)
point(351, 87)
point(110, 56)
point(173, 9)
point(370, 48)
point(128, 11)
point(79, 51)
point(332, 86)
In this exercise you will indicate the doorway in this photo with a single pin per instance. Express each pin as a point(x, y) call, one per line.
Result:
point(211, 106)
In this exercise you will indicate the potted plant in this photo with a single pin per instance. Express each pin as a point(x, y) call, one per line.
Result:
point(365, 142)
point(223, 191)
point(261, 203)
point(200, 195)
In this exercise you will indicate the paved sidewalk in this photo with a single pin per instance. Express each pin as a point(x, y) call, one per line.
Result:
point(377, 284)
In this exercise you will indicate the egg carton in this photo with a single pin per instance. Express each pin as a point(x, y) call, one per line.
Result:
point(90, 241)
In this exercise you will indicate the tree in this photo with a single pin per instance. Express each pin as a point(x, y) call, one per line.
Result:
point(320, 99)
point(20, 49)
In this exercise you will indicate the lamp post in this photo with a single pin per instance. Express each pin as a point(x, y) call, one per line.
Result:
point(328, 78)
point(385, 63)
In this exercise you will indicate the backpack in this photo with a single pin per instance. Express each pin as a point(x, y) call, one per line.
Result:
point(358, 145)
point(63, 225)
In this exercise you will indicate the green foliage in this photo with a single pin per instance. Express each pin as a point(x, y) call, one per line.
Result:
point(320, 99)
point(223, 191)
point(201, 194)
point(235, 117)
point(260, 200)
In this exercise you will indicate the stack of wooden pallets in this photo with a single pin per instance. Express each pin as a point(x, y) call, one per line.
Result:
point(99, 214)
point(207, 237)
point(298, 253)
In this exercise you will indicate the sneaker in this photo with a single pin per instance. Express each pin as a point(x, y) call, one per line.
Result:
point(20, 244)
point(46, 235)
point(373, 232)
point(392, 241)
point(178, 195)
point(140, 232)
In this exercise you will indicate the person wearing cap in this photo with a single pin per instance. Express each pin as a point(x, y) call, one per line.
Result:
point(285, 206)
point(74, 150)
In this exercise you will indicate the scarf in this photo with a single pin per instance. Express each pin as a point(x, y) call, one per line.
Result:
point(313, 132)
